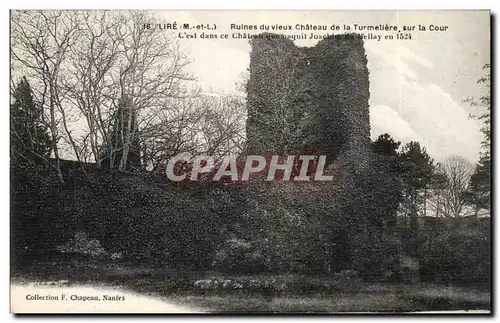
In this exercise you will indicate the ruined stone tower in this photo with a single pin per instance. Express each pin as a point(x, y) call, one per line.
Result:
point(309, 98)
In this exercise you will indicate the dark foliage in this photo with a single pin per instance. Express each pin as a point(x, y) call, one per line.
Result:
point(29, 141)
point(123, 125)
point(456, 255)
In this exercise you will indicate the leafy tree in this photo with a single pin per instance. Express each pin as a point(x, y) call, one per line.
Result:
point(480, 186)
point(387, 165)
point(480, 182)
point(385, 145)
point(29, 138)
point(485, 102)
point(417, 172)
point(30, 149)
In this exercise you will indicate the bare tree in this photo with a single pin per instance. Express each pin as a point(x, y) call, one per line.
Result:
point(209, 124)
point(172, 134)
point(40, 43)
point(109, 86)
point(119, 63)
point(88, 63)
point(150, 74)
point(222, 124)
point(88, 81)
point(450, 199)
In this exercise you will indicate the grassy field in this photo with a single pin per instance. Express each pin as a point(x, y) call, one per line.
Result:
point(259, 294)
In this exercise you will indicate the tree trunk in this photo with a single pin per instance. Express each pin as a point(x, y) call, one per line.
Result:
point(53, 132)
point(127, 134)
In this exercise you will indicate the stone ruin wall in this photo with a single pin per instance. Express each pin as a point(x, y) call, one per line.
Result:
point(312, 99)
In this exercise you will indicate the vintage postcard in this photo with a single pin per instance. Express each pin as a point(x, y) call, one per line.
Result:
point(250, 161)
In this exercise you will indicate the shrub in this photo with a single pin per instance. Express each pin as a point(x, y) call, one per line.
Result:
point(82, 245)
point(241, 256)
point(459, 255)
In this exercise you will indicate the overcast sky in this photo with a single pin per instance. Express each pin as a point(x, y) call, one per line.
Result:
point(417, 86)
